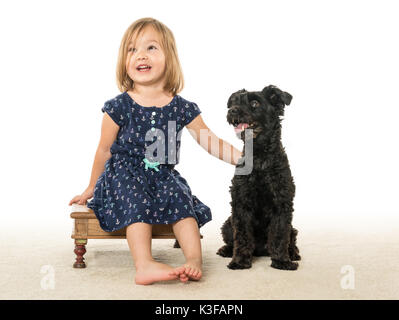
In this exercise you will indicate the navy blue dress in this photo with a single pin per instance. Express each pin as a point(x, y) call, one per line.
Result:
point(140, 183)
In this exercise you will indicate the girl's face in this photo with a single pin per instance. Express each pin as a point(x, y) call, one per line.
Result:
point(148, 53)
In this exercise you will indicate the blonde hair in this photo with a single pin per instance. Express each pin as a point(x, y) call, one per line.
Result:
point(173, 73)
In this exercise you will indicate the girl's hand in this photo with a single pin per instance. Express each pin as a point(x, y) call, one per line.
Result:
point(82, 199)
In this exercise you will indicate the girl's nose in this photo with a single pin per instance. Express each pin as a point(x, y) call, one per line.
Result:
point(141, 55)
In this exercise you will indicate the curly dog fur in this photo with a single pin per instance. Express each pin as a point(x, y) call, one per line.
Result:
point(262, 201)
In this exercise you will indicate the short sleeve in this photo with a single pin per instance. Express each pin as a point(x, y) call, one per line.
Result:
point(115, 111)
point(191, 111)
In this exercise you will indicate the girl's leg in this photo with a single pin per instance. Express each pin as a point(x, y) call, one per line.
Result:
point(139, 237)
point(188, 235)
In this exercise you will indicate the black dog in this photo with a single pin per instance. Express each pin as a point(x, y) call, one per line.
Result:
point(262, 201)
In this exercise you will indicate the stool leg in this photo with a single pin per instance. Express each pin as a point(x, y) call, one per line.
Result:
point(80, 250)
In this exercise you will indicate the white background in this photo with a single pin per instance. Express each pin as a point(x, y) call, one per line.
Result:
point(338, 59)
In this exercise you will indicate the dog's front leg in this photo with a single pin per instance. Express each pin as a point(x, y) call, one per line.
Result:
point(243, 239)
point(279, 238)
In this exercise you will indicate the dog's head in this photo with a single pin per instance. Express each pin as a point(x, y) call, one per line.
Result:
point(256, 110)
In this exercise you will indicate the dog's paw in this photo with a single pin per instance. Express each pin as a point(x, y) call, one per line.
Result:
point(295, 257)
point(284, 265)
point(225, 251)
point(234, 265)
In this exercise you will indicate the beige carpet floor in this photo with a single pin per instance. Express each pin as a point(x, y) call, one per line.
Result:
point(38, 265)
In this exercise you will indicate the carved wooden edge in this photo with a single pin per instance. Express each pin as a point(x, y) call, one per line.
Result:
point(80, 250)
point(83, 215)
point(80, 230)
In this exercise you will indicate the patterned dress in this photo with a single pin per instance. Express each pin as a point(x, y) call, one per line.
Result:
point(140, 183)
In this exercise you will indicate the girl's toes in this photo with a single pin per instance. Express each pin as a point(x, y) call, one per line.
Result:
point(198, 275)
point(178, 271)
point(188, 270)
point(183, 278)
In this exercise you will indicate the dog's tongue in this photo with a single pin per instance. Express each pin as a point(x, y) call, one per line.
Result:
point(240, 127)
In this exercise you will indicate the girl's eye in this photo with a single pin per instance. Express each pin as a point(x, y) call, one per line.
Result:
point(254, 103)
point(134, 49)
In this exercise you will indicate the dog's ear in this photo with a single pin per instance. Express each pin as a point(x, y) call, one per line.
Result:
point(276, 97)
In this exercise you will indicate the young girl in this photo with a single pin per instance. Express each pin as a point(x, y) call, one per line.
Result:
point(131, 190)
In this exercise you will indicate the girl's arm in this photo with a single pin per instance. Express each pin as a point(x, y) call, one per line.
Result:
point(212, 143)
point(109, 131)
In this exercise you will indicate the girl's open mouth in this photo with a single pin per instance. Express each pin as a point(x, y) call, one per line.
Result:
point(143, 68)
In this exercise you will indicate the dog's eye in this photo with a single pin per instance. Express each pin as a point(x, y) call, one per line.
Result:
point(254, 103)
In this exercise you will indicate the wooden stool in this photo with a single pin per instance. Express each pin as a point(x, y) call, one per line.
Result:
point(87, 226)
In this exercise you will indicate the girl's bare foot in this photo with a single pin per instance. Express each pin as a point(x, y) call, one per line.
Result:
point(191, 270)
point(152, 271)
point(179, 272)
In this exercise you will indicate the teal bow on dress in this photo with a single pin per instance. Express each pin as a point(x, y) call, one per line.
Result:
point(151, 165)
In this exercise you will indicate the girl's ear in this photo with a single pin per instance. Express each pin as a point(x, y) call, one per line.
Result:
point(276, 97)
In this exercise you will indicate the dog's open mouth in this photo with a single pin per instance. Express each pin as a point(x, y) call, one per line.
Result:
point(239, 127)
